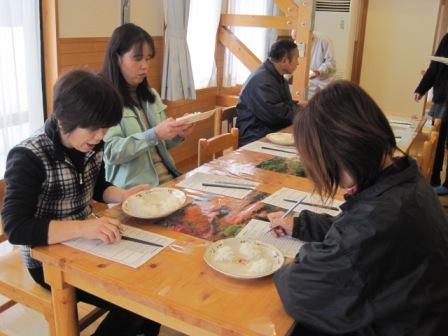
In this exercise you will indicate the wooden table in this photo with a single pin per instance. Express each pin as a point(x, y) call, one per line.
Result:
point(407, 135)
point(175, 289)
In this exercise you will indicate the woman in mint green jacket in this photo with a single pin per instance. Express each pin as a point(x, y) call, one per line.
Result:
point(136, 150)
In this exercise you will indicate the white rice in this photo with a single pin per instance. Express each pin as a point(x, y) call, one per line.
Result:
point(260, 266)
point(250, 251)
point(224, 253)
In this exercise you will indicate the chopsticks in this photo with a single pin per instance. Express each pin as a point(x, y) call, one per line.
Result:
point(236, 183)
point(229, 186)
point(136, 240)
point(277, 150)
point(315, 205)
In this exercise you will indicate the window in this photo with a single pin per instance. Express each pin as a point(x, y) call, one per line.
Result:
point(201, 39)
point(21, 102)
point(258, 40)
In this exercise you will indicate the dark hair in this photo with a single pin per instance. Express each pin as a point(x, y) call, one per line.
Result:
point(124, 39)
point(342, 128)
point(281, 49)
point(85, 99)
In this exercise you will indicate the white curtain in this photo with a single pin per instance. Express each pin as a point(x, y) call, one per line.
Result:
point(201, 41)
point(177, 80)
point(258, 40)
point(21, 102)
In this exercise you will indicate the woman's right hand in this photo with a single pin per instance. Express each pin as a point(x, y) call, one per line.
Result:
point(280, 226)
point(417, 96)
point(106, 229)
point(170, 128)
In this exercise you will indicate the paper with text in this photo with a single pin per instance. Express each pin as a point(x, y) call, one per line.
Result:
point(258, 230)
point(196, 182)
point(272, 149)
point(292, 195)
point(125, 252)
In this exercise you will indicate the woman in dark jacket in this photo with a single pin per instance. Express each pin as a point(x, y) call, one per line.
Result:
point(381, 266)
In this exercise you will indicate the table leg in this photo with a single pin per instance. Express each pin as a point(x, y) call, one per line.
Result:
point(64, 302)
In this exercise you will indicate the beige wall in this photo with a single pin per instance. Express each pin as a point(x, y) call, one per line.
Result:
point(398, 41)
point(98, 18)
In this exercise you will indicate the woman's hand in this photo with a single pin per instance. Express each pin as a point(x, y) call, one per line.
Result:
point(129, 192)
point(106, 229)
point(280, 226)
point(417, 96)
point(170, 128)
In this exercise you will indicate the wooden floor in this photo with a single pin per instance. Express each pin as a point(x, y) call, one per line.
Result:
point(22, 321)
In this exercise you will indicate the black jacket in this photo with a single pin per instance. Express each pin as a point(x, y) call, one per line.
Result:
point(379, 268)
point(265, 104)
point(436, 76)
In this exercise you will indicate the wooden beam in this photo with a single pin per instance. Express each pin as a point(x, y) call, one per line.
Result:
point(278, 22)
point(226, 100)
point(288, 7)
point(304, 27)
point(50, 35)
point(231, 42)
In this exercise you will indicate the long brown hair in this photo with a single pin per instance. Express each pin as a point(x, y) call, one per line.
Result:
point(342, 128)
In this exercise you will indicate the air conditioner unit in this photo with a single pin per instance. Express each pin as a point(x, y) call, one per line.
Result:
point(337, 19)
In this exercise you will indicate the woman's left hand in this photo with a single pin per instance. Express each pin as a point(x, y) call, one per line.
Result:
point(129, 192)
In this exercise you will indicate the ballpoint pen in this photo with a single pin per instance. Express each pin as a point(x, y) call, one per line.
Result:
point(295, 205)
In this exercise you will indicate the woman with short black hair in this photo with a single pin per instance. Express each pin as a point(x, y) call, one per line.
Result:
point(52, 177)
point(381, 266)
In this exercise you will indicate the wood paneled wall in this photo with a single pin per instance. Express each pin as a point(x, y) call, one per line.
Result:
point(75, 53)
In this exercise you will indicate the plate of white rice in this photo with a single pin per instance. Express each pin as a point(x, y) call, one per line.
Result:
point(154, 203)
point(243, 258)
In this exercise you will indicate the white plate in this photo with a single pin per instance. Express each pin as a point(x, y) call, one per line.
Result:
point(285, 139)
point(154, 203)
point(240, 267)
point(196, 116)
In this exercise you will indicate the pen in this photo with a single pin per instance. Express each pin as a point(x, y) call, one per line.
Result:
point(227, 186)
point(293, 207)
point(315, 205)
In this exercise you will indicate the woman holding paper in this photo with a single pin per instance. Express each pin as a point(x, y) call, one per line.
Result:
point(381, 266)
point(52, 177)
point(136, 150)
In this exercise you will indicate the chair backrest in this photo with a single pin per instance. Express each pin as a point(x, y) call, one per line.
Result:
point(428, 155)
point(209, 149)
point(436, 126)
point(227, 116)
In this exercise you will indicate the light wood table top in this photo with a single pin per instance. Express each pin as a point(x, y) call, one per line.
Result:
point(175, 288)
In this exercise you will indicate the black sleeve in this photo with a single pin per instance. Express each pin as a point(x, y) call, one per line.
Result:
point(101, 185)
point(310, 226)
point(271, 107)
point(430, 75)
point(24, 177)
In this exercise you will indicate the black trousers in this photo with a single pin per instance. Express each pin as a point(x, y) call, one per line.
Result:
point(440, 155)
point(118, 322)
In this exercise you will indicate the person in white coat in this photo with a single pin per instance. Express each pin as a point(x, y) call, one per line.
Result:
point(322, 63)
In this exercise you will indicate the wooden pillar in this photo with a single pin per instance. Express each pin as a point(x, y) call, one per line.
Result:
point(49, 38)
point(304, 27)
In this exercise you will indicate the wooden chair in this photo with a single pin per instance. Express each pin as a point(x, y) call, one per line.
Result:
point(426, 160)
point(209, 149)
point(225, 115)
point(17, 285)
point(417, 146)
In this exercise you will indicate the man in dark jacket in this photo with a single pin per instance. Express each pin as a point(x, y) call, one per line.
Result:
point(265, 103)
point(436, 77)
